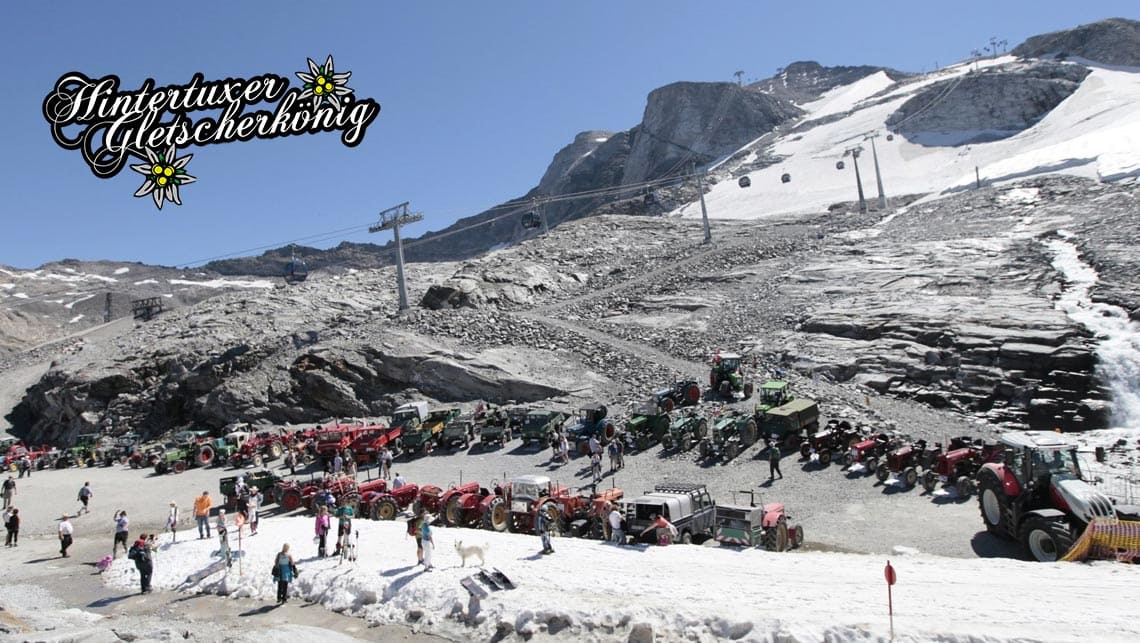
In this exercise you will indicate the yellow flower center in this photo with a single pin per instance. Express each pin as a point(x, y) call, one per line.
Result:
point(318, 90)
point(321, 80)
point(168, 171)
point(162, 180)
point(328, 87)
point(157, 169)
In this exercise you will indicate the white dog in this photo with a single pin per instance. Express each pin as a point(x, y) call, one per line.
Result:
point(470, 551)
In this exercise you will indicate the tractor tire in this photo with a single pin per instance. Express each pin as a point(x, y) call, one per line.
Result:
point(134, 463)
point(275, 450)
point(882, 473)
point(291, 499)
point(179, 467)
point(496, 518)
point(705, 449)
point(667, 405)
point(871, 465)
point(451, 513)
point(731, 450)
point(693, 394)
point(609, 431)
point(824, 458)
point(796, 536)
point(777, 539)
point(748, 390)
point(667, 442)
point(847, 460)
point(1046, 540)
point(725, 389)
point(258, 460)
point(910, 477)
point(307, 459)
point(993, 503)
point(642, 443)
point(206, 455)
point(964, 487)
point(161, 468)
point(702, 429)
point(805, 450)
point(385, 509)
point(686, 442)
point(929, 481)
point(748, 436)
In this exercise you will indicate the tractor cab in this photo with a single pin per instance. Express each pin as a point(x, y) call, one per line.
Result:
point(524, 492)
point(773, 393)
point(726, 377)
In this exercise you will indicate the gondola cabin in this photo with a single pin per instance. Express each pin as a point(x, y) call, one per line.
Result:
point(531, 220)
point(744, 182)
point(839, 165)
point(786, 178)
point(296, 271)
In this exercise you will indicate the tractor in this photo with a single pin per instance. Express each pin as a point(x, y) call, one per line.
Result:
point(385, 505)
point(681, 393)
point(515, 507)
point(495, 428)
point(764, 526)
point(726, 378)
point(789, 423)
point(730, 434)
point(1037, 495)
point(458, 432)
point(257, 450)
point(176, 458)
point(368, 444)
point(421, 438)
point(264, 480)
point(646, 426)
point(219, 450)
point(773, 393)
point(904, 462)
point(685, 431)
point(958, 464)
point(541, 425)
point(591, 423)
point(465, 505)
point(870, 452)
point(833, 441)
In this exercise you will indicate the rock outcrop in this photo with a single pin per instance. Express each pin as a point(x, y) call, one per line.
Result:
point(1115, 41)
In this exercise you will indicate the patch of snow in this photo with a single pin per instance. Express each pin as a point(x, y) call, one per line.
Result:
point(69, 306)
point(146, 281)
point(75, 319)
point(21, 295)
point(846, 97)
point(224, 283)
point(121, 271)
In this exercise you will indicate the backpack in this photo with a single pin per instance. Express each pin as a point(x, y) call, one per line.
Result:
point(134, 553)
point(411, 526)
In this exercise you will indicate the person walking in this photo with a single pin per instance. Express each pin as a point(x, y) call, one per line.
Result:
point(172, 521)
point(612, 449)
point(322, 530)
point(386, 464)
point(202, 506)
point(564, 448)
point(66, 531)
point(9, 491)
point(122, 526)
point(291, 461)
point(542, 528)
point(617, 535)
point(428, 540)
point(144, 562)
point(284, 571)
point(85, 496)
point(12, 524)
point(774, 460)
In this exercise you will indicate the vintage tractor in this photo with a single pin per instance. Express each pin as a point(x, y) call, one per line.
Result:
point(515, 507)
point(266, 481)
point(176, 458)
point(726, 378)
point(258, 450)
point(764, 526)
point(830, 443)
point(645, 427)
point(385, 505)
point(465, 505)
point(730, 434)
point(904, 462)
point(219, 450)
point(540, 426)
point(870, 452)
point(495, 428)
point(789, 423)
point(591, 423)
point(684, 431)
point(368, 444)
point(293, 494)
point(959, 464)
point(1037, 495)
point(681, 393)
point(421, 438)
point(459, 432)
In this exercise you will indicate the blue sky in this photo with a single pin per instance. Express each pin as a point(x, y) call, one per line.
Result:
point(476, 98)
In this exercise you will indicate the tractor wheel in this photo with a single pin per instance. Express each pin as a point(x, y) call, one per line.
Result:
point(796, 536)
point(496, 518)
point(686, 538)
point(871, 465)
point(1046, 540)
point(731, 450)
point(206, 455)
point(964, 487)
point(776, 539)
point(161, 467)
point(385, 509)
point(451, 513)
point(609, 431)
point(667, 442)
point(291, 499)
point(258, 460)
point(994, 506)
point(791, 441)
point(702, 428)
point(686, 442)
point(307, 459)
point(805, 450)
point(748, 436)
point(882, 473)
point(693, 394)
point(642, 442)
point(747, 390)
point(847, 460)
point(275, 450)
point(705, 449)
point(134, 463)
point(179, 467)
point(929, 481)
point(910, 477)
point(667, 404)
point(825, 458)
point(725, 389)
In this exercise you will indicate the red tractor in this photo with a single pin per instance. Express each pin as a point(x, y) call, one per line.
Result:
point(831, 442)
point(904, 462)
point(338, 437)
point(366, 447)
point(385, 505)
point(526, 496)
point(870, 451)
point(959, 464)
point(1037, 494)
point(465, 505)
point(293, 495)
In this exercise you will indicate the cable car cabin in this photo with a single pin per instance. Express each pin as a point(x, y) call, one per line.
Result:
point(787, 178)
point(890, 137)
point(839, 165)
point(531, 220)
point(296, 271)
point(745, 182)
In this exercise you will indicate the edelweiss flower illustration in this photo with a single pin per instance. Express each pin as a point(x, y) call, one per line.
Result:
point(322, 84)
point(164, 173)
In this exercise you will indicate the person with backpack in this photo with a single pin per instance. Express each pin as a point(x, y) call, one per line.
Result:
point(12, 524)
point(85, 495)
point(284, 571)
point(9, 491)
point(322, 530)
point(121, 530)
point(140, 553)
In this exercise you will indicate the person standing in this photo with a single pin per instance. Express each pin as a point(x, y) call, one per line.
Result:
point(322, 530)
point(620, 454)
point(774, 461)
point(224, 538)
point(66, 530)
point(398, 481)
point(12, 524)
point(337, 464)
point(344, 515)
point(596, 467)
point(542, 528)
point(202, 506)
point(428, 543)
point(291, 461)
point(386, 464)
point(595, 446)
point(612, 449)
point(564, 448)
point(284, 570)
point(617, 535)
point(85, 496)
point(9, 491)
point(415, 523)
point(172, 521)
point(664, 530)
point(140, 553)
point(122, 526)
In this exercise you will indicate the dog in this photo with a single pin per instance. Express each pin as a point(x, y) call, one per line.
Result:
point(470, 551)
point(104, 563)
point(348, 548)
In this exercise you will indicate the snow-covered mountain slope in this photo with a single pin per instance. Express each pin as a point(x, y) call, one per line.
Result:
point(1095, 133)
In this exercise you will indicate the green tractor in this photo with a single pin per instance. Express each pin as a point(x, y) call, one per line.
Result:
point(176, 458)
point(685, 431)
point(773, 393)
point(646, 426)
point(219, 450)
point(726, 378)
point(730, 434)
point(82, 453)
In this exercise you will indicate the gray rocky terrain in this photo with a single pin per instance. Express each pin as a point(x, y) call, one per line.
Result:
point(1111, 42)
